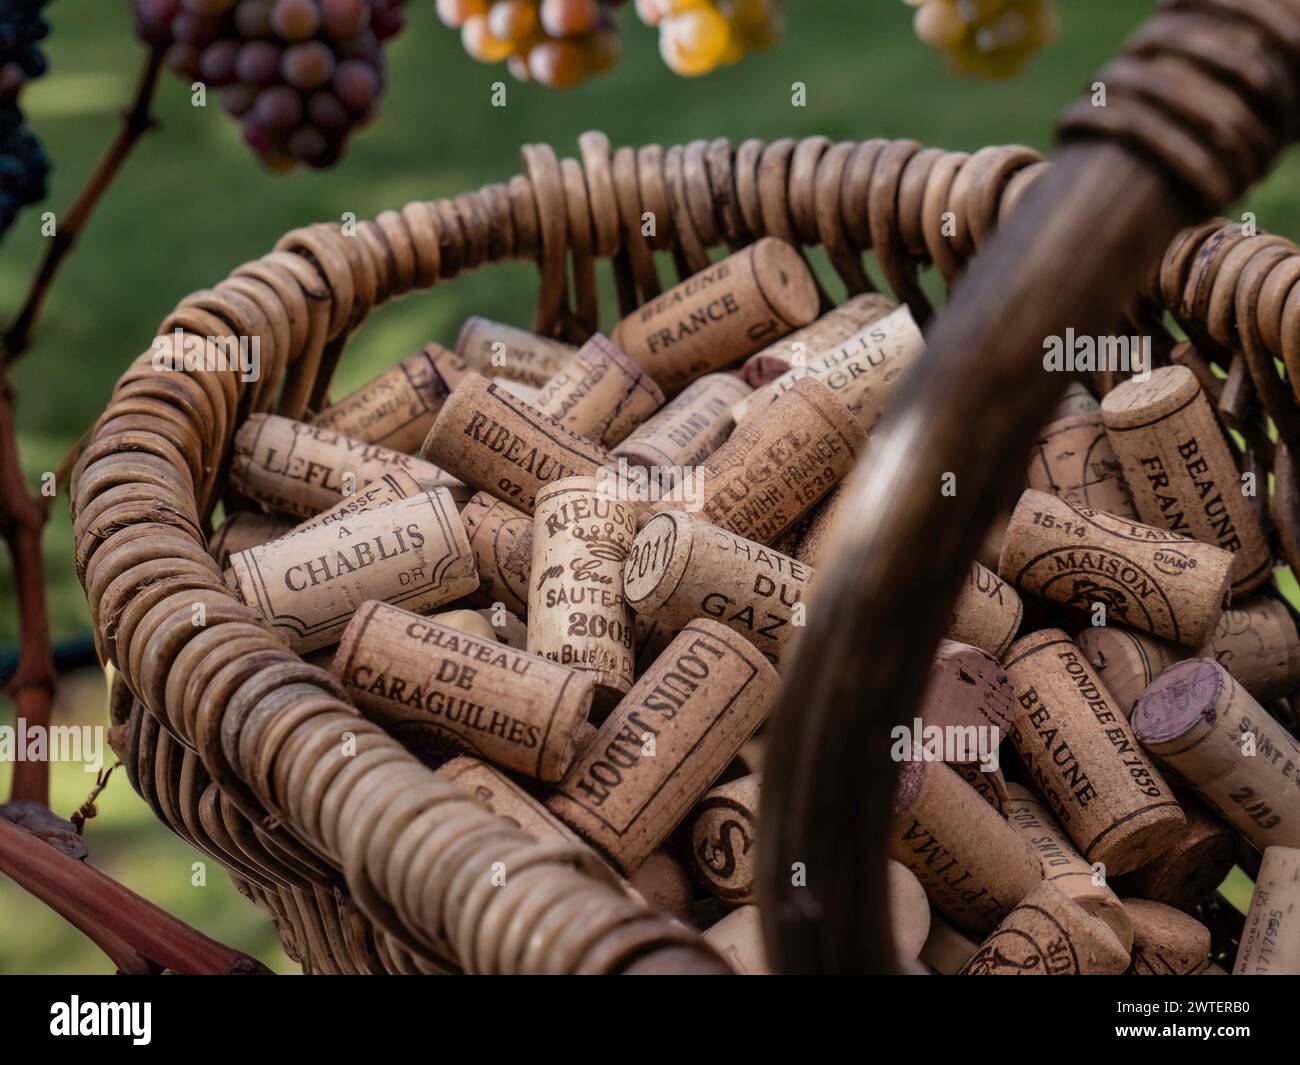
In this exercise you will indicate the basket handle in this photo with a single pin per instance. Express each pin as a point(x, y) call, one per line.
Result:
point(1188, 125)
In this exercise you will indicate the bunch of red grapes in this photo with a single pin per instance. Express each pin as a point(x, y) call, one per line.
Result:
point(556, 43)
point(300, 75)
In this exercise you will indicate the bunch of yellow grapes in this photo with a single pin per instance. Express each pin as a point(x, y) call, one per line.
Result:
point(989, 38)
point(697, 36)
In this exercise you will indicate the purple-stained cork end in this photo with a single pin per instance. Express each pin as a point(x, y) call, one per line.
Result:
point(1180, 698)
point(911, 779)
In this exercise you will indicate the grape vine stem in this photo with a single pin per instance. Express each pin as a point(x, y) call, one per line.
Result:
point(23, 515)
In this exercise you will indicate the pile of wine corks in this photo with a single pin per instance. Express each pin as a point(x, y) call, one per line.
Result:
point(1151, 765)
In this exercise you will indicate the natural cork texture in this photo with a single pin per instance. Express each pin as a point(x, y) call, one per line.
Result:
point(1197, 720)
point(966, 687)
point(1270, 940)
point(510, 708)
point(387, 489)
point(778, 464)
point(803, 345)
point(1063, 865)
point(723, 834)
point(1083, 759)
point(987, 613)
point(397, 408)
point(501, 539)
point(718, 316)
point(1256, 641)
point(1127, 661)
point(1073, 458)
point(909, 911)
point(1048, 934)
point(505, 798)
point(946, 950)
point(861, 371)
point(600, 393)
point(690, 428)
point(500, 445)
point(498, 350)
point(973, 865)
point(1187, 873)
point(1182, 475)
point(1146, 578)
point(578, 614)
point(738, 937)
point(666, 743)
point(412, 553)
point(304, 469)
point(680, 569)
point(1166, 942)
point(989, 784)
point(243, 530)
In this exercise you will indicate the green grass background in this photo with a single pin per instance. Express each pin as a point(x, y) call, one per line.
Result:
point(192, 204)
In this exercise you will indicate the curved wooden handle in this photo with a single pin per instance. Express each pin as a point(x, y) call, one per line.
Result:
point(1188, 124)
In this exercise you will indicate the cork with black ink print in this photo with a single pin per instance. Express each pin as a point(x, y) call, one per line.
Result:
point(973, 865)
point(1181, 472)
point(1082, 757)
point(1195, 865)
point(774, 468)
point(578, 614)
point(1270, 939)
point(1143, 577)
point(600, 393)
point(1197, 721)
point(501, 538)
point(1048, 934)
point(413, 553)
point(1166, 941)
point(495, 349)
point(1073, 458)
point(666, 742)
point(1256, 641)
point(689, 428)
point(397, 408)
point(723, 835)
point(680, 568)
point(513, 709)
point(728, 310)
point(1127, 661)
point(304, 469)
point(505, 798)
point(498, 444)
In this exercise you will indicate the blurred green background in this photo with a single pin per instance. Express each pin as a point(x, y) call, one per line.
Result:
point(193, 203)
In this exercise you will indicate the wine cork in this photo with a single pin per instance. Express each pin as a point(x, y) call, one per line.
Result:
point(1146, 578)
point(507, 627)
point(680, 568)
point(243, 530)
point(600, 393)
point(945, 949)
point(726, 311)
point(738, 937)
point(973, 865)
point(967, 689)
point(1181, 473)
point(1166, 942)
point(397, 408)
point(724, 831)
point(1073, 458)
point(690, 428)
point(498, 350)
point(377, 493)
point(832, 328)
point(987, 612)
point(1083, 759)
point(778, 464)
point(1127, 661)
point(666, 742)
point(1063, 865)
point(1256, 642)
point(304, 469)
point(1199, 723)
point(578, 614)
point(500, 445)
point(412, 553)
point(909, 911)
point(1270, 939)
point(501, 539)
point(988, 783)
point(665, 885)
point(1187, 873)
point(414, 674)
point(505, 798)
point(1048, 934)
point(861, 372)
point(470, 622)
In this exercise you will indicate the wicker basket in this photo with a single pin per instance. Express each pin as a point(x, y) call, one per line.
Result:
point(233, 740)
